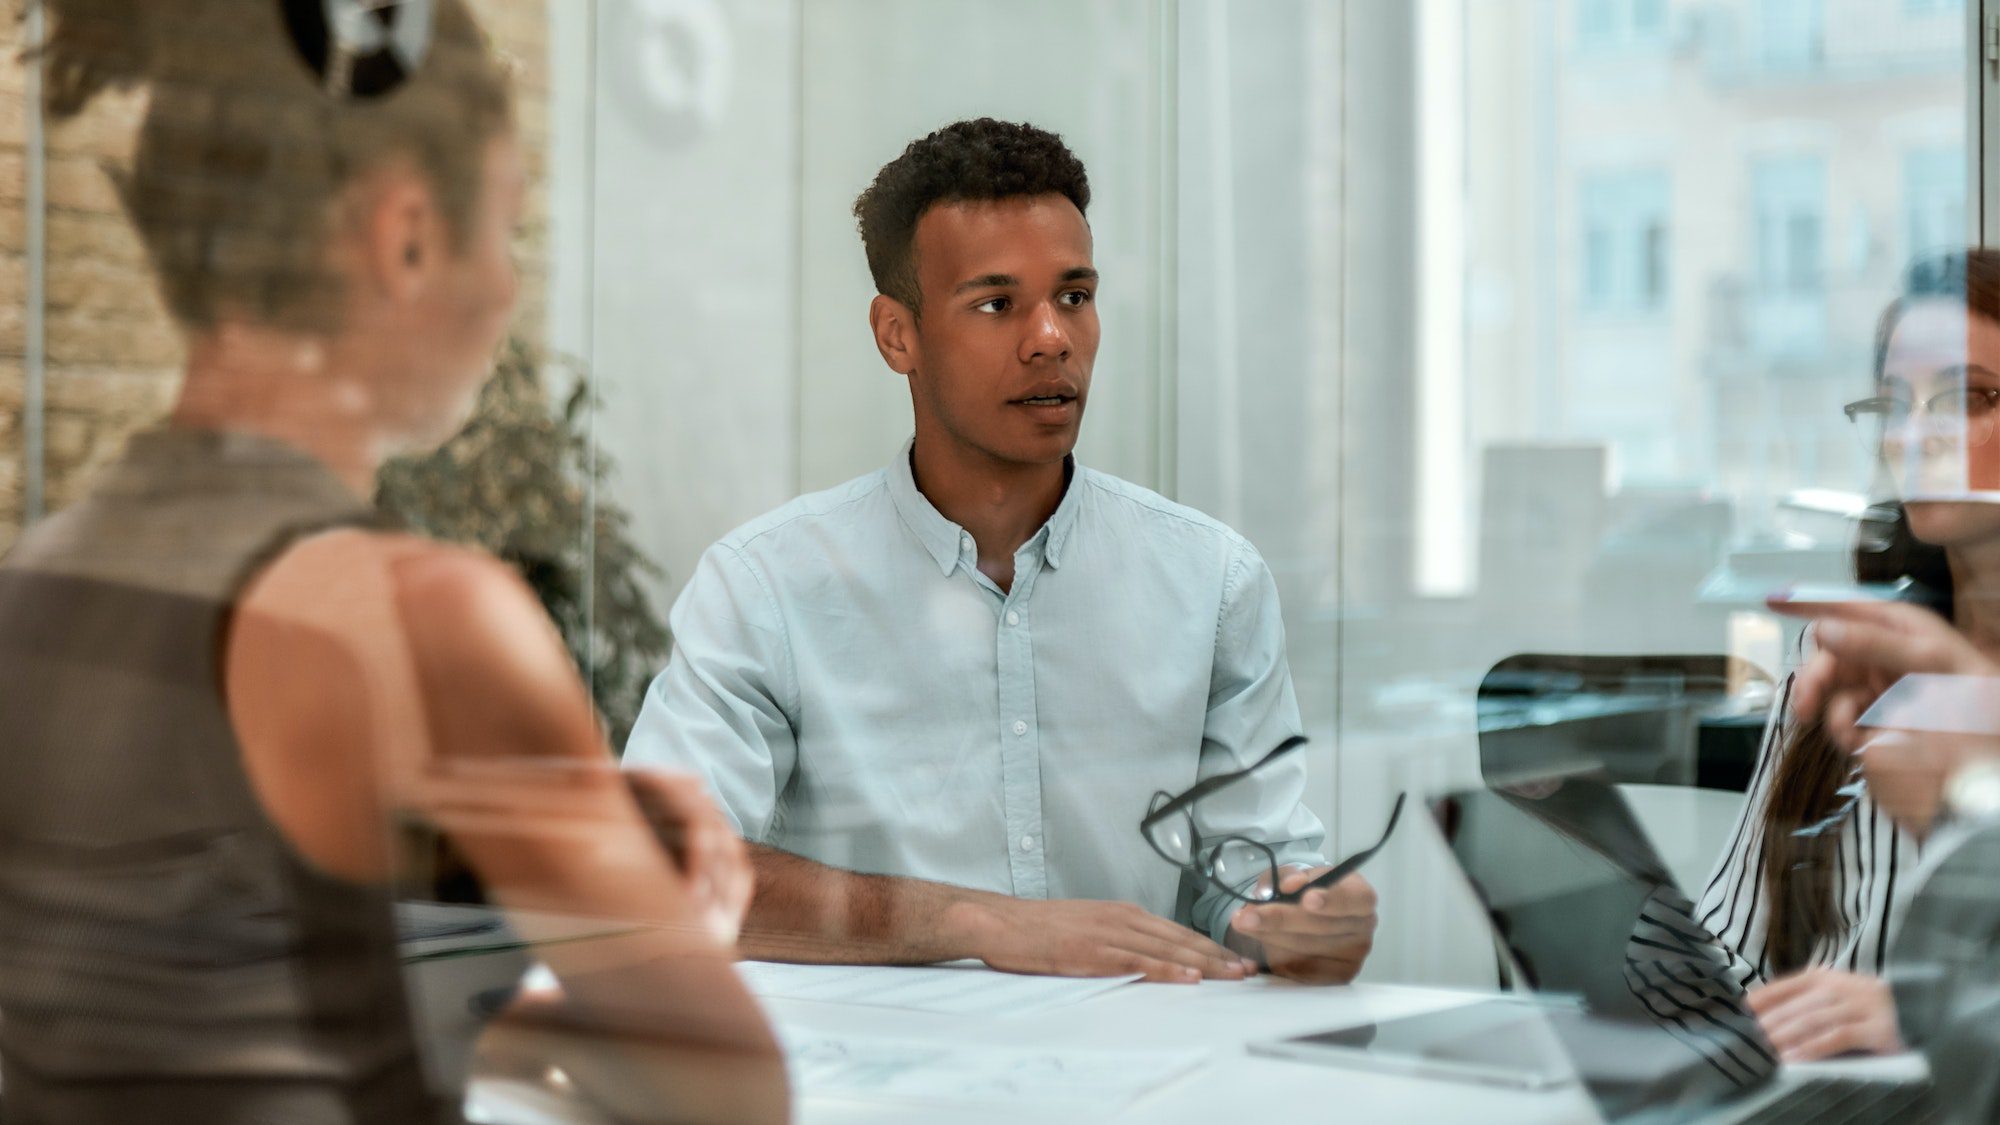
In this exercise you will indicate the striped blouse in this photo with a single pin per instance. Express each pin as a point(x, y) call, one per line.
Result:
point(1872, 856)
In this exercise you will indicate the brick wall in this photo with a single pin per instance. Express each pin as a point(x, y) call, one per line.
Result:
point(114, 357)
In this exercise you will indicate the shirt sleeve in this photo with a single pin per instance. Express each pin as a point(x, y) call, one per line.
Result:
point(723, 708)
point(1251, 709)
point(1945, 974)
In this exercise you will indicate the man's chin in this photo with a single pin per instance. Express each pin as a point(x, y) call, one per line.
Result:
point(1051, 453)
point(1007, 445)
point(1051, 448)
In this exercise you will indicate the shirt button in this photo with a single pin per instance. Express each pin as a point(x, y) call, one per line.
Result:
point(1013, 618)
point(1027, 843)
point(965, 542)
point(1020, 727)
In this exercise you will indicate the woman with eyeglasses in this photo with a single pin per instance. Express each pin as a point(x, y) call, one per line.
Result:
point(1807, 895)
point(241, 717)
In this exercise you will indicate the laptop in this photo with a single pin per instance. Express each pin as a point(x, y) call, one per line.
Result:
point(1655, 1026)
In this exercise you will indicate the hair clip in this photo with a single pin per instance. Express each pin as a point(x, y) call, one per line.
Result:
point(360, 49)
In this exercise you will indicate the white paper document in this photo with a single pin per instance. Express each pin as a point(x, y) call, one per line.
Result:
point(956, 989)
point(1937, 704)
point(868, 1068)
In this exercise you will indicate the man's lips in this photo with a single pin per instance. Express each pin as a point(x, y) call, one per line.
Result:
point(1050, 410)
point(1055, 392)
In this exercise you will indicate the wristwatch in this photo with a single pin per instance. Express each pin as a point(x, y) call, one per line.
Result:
point(1973, 792)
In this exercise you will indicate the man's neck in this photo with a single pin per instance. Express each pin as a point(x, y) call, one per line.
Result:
point(1001, 504)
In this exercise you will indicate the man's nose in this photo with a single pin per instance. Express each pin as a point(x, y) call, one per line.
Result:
point(1046, 338)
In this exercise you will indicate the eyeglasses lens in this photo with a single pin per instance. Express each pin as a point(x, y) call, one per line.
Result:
point(1237, 861)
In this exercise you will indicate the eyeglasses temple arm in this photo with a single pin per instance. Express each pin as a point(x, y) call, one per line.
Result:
point(1353, 863)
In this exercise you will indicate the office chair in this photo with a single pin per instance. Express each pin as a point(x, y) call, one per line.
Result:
point(1651, 720)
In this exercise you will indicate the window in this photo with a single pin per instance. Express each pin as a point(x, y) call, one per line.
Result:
point(1649, 17)
point(1620, 24)
point(1934, 199)
point(1653, 271)
point(1787, 311)
point(1597, 20)
point(1789, 210)
point(1625, 240)
point(1790, 34)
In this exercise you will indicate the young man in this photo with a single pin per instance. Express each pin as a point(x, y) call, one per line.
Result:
point(939, 699)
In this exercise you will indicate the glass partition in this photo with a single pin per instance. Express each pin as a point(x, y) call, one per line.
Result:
point(1529, 342)
point(1653, 242)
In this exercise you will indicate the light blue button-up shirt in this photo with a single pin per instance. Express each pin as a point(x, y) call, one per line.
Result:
point(855, 691)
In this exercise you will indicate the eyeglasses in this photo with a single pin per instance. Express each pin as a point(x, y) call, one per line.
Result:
point(1975, 409)
point(1244, 869)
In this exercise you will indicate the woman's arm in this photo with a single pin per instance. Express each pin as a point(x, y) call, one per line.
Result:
point(371, 677)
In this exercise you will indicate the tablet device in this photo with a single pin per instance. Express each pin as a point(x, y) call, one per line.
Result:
point(1814, 593)
point(1493, 1042)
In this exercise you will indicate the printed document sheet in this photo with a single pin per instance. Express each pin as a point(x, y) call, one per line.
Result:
point(868, 1068)
point(957, 989)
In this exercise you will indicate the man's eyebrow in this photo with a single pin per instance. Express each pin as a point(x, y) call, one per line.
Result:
point(989, 281)
point(1080, 273)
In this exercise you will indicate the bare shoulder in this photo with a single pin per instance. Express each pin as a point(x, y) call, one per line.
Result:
point(444, 600)
point(468, 636)
point(459, 602)
point(494, 673)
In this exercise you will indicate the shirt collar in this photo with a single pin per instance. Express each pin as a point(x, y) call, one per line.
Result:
point(939, 535)
point(1064, 520)
point(943, 539)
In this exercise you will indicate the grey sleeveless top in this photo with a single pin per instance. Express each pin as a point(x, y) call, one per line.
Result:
point(165, 956)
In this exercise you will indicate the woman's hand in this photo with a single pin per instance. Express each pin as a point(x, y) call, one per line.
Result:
point(1864, 647)
point(1820, 1013)
point(704, 848)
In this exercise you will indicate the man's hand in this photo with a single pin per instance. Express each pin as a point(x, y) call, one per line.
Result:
point(1322, 939)
point(704, 848)
point(1820, 1013)
point(1084, 938)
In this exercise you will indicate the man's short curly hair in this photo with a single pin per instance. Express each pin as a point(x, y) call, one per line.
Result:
point(976, 160)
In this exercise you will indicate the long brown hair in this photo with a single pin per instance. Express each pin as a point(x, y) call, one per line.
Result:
point(243, 154)
point(1798, 870)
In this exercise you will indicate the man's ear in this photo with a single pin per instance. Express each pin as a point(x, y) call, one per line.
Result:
point(402, 234)
point(895, 328)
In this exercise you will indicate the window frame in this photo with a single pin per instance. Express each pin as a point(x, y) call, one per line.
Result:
point(1982, 126)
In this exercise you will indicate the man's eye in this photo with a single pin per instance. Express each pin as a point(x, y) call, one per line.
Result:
point(991, 304)
point(1077, 297)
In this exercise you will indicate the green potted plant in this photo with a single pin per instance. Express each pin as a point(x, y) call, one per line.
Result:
point(520, 481)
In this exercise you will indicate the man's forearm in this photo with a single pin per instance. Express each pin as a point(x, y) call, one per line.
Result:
point(806, 911)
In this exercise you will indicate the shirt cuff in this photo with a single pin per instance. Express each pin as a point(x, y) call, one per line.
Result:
point(1225, 907)
point(1225, 914)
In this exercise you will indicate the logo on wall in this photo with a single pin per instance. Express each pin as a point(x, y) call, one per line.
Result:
point(672, 63)
point(360, 48)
